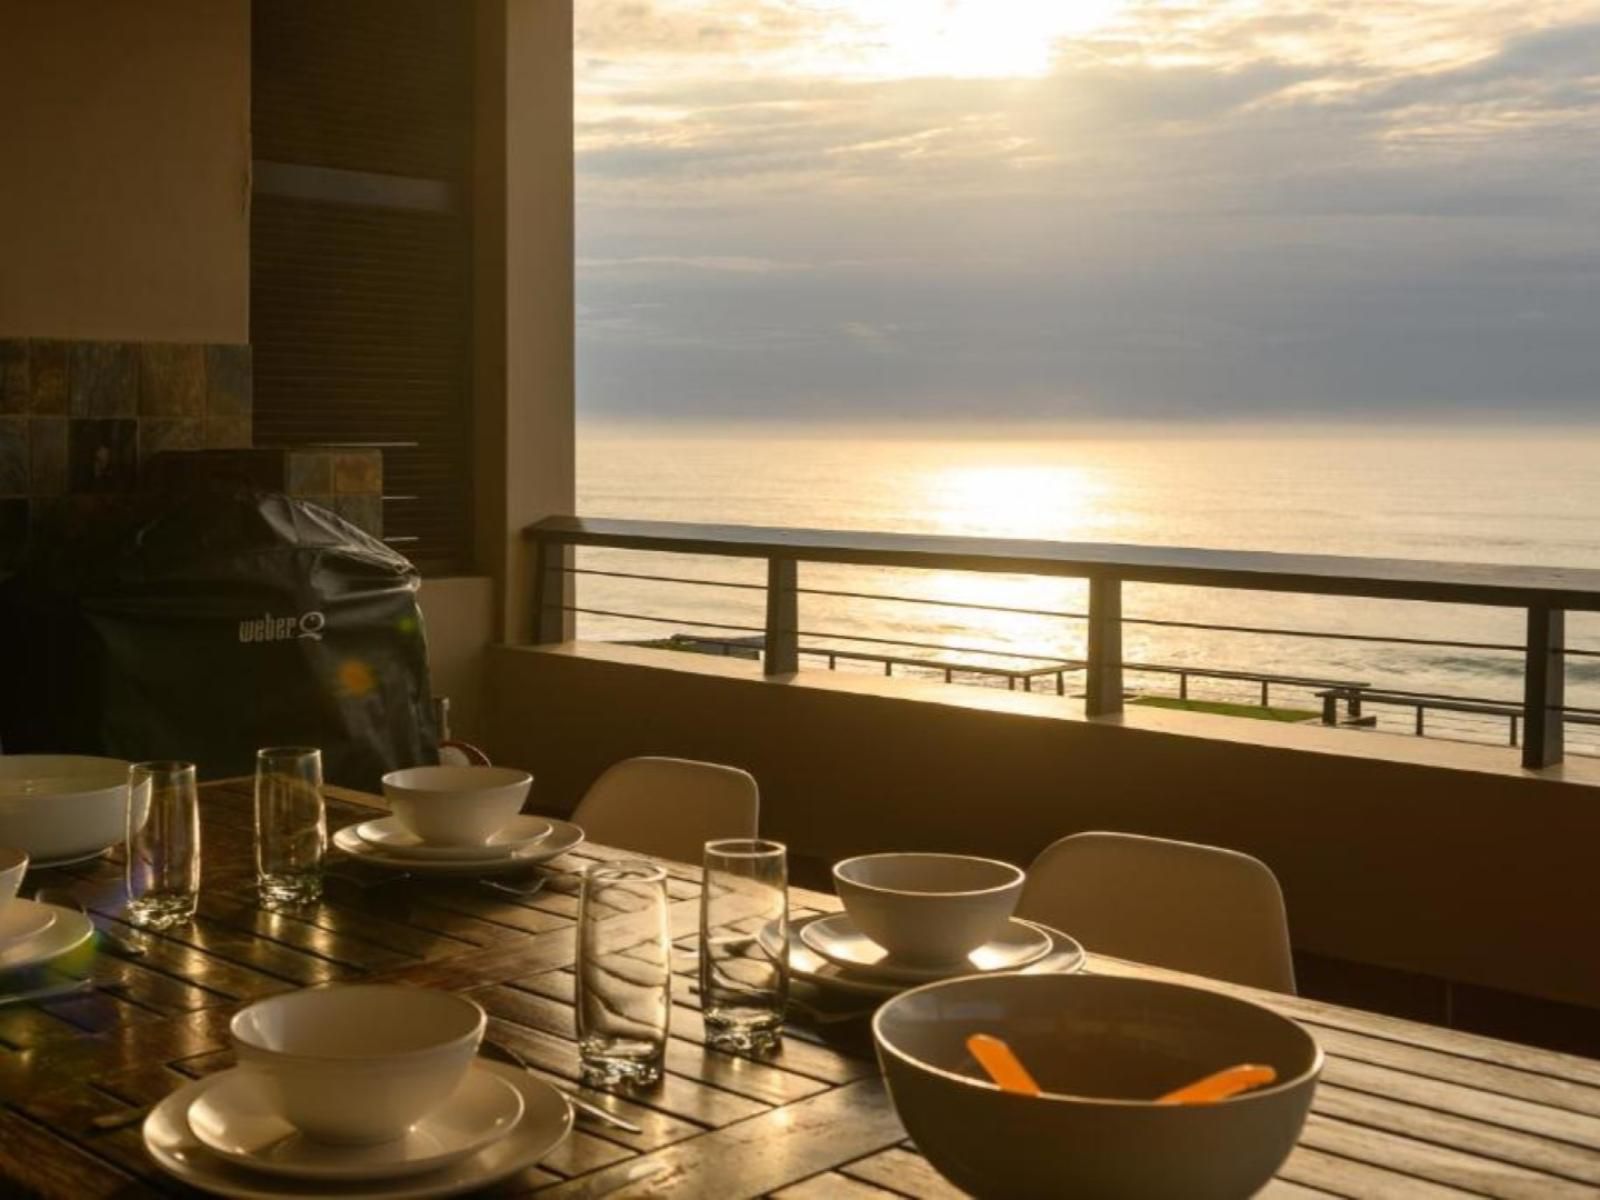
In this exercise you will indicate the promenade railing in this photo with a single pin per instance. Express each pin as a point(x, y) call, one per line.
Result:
point(1543, 595)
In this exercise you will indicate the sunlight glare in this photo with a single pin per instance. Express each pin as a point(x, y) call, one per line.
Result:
point(1014, 500)
point(971, 39)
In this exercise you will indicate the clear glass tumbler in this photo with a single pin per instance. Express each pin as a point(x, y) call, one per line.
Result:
point(163, 870)
point(624, 973)
point(744, 977)
point(291, 824)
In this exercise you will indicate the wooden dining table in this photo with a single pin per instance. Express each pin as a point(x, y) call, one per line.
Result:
point(1403, 1109)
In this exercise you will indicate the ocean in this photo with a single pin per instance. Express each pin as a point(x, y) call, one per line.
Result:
point(1529, 497)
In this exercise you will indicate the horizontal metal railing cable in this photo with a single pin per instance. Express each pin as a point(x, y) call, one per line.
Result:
point(622, 616)
point(1400, 694)
point(727, 583)
point(1545, 596)
point(1063, 615)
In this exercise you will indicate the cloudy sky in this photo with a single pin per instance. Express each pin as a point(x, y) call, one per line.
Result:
point(980, 209)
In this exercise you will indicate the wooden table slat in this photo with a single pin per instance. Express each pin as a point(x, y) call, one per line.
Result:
point(1405, 1110)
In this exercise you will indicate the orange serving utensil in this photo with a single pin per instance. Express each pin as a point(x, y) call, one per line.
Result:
point(1229, 1081)
point(1002, 1065)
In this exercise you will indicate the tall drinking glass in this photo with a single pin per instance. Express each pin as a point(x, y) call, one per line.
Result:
point(744, 977)
point(624, 973)
point(291, 824)
point(163, 848)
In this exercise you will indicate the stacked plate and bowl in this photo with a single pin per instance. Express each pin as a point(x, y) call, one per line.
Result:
point(54, 809)
point(912, 919)
point(935, 939)
point(457, 820)
point(359, 1090)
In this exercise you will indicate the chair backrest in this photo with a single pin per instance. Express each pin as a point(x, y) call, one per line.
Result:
point(1193, 908)
point(669, 807)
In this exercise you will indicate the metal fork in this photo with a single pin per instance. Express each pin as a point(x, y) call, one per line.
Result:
point(519, 888)
point(64, 898)
point(503, 1053)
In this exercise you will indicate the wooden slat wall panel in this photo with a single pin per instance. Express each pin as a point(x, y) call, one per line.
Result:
point(360, 314)
point(364, 85)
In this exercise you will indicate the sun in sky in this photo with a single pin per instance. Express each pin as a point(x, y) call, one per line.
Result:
point(965, 38)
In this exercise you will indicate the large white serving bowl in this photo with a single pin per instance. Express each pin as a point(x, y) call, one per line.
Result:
point(456, 806)
point(1102, 1048)
point(62, 806)
point(13, 866)
point(358, 1064)
point(928, 908)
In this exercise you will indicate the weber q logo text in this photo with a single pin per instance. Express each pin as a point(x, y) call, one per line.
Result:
point(269, 628)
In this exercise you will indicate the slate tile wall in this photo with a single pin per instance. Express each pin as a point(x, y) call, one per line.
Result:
point(81, 419)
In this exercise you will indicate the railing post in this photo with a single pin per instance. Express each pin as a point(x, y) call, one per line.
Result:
point(782, 644)
point(550, 622)
point(1544, 687)
point(1103, 693)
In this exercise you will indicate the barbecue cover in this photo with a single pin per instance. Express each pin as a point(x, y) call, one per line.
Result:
point(218, 624)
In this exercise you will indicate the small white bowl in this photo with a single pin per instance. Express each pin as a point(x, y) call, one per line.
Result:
point(358, 1064)
point(1102, 1048)
point(928, 909)
point(456, 806)
point(62, 806)
point(13, 866)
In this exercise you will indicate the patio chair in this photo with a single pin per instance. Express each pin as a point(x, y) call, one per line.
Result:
point(1189, 907)
point(669, 807)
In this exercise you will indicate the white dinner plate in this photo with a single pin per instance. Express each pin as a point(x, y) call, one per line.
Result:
point(22, 919)
point(546, 1121)
point(70, 930)
point(838, 940)
point(235, 1120)
point(805, 964)
point(391, 837)
point(563, 836)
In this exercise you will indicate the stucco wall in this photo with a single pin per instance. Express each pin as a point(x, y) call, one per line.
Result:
point(124, 170)
point(1447, 860)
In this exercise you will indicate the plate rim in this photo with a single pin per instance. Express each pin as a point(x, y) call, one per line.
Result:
point(1063, 943)
point(70, 930)
point(541, 852)
point(443, 853)
point(911, 974)
point(224, 1178)
point(336, 1174)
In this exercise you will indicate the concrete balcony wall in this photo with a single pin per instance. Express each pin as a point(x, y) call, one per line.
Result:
point(1420, 856)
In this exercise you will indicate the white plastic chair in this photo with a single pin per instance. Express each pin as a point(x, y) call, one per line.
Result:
point(1172, 904)
point(669, 807)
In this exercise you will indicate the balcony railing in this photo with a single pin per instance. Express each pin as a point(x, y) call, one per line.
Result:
point(1544, 595)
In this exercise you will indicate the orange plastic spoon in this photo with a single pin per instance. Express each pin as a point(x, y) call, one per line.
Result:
point(1229, 1081)
point(1002, 1065)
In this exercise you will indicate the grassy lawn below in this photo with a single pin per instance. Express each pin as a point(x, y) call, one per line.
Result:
point(1219, 708)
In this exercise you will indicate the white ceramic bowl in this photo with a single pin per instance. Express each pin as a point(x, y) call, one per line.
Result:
point(928, 908)
point(358, 1064)
point(13, 866)
point(456, 806)
point(62, 806)
point(1101, 1048)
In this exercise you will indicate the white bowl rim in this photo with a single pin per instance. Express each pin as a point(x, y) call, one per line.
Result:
point(1313, 1071)
point(1018, 875)
point(507, 777)
point(397, 1060)
point(89, 773)
point(11, 858)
